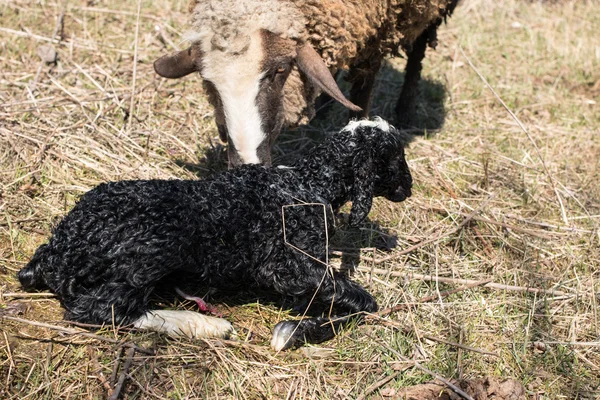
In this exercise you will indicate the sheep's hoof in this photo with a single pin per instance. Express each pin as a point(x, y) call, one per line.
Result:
point(285, 335)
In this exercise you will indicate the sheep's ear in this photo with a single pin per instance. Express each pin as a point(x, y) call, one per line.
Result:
point(180, 64)
point(311, 64)
point(363, 188)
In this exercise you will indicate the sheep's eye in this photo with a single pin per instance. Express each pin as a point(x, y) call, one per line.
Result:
point(281, 70)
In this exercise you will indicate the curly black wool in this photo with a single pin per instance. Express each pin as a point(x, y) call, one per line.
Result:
point(107, 255)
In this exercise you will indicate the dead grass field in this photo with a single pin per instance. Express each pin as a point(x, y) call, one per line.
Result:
point(519, 207)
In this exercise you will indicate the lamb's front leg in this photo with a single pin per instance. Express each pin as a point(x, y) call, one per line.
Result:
point(349, 302)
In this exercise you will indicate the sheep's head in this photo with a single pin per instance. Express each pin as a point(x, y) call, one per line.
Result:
point(246, 76)
point(379, 166)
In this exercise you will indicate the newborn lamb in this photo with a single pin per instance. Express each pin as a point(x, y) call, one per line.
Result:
point(253, 227)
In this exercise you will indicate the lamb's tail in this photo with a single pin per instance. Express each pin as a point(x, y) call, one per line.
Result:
point(32, 277)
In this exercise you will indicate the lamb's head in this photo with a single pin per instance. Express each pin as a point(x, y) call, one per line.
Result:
point(379, 166)
point(253, 62)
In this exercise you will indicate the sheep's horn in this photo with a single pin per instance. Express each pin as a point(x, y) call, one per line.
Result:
point(310, 62)
point(179, 64)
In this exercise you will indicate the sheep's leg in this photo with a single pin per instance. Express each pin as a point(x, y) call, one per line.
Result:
point(362, 76)
point(405, 107)
point(348, 301)
point(182, 323)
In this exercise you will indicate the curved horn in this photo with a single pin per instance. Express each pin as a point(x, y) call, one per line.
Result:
point(310, 62)
point(179, 64)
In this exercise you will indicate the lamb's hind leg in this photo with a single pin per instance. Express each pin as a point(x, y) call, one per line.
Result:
point(183, 323)
point(349, 301)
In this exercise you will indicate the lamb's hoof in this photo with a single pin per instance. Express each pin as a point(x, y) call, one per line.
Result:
point(285, 335)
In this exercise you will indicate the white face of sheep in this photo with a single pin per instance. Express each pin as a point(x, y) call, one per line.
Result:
point(245, 82)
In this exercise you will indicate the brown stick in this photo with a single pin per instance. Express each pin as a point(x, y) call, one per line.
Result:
point(25, 295)
point(119, 386)
point(70, 331)
point(378, 384)
point(100, 375)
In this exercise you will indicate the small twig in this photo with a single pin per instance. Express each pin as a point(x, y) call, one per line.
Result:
point(76, 332)
point(460, 346)
point(451, 232)
point(491, 285)
point(583, 344)
point(59, 25)
point(545, 235)
point(379, 384)
point(11, 364)
point(135, 60)
point(486, 245)
point(22, 221)
point(100, 375)
point(115, 368)
point(119, 386)
point(426, 299)
point(84, 325)
point(25, 295)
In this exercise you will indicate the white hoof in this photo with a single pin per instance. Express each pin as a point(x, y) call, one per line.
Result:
point(185, 323)
point(282, 333)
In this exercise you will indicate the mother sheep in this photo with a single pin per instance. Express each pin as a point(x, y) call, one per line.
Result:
point(264, 62)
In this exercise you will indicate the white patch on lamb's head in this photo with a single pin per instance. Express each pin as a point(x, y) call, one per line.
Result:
point(377, 122)
point(236, 74)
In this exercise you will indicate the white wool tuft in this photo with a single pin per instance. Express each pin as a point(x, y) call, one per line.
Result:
point(377, 122)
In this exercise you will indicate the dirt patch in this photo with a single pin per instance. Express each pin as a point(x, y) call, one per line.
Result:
point(478, 389)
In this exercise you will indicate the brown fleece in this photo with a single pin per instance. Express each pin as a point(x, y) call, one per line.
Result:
point(345, 32)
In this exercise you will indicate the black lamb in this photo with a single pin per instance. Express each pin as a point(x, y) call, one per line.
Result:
point(254, 227)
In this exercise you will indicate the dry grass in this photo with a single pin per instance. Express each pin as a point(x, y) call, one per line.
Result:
point(516, 207)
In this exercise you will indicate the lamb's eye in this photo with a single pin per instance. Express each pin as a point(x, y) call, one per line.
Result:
point(281, 70)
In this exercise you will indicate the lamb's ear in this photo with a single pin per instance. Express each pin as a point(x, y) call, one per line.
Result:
point(311, 64)
point(179, 64)
point(363, 188)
